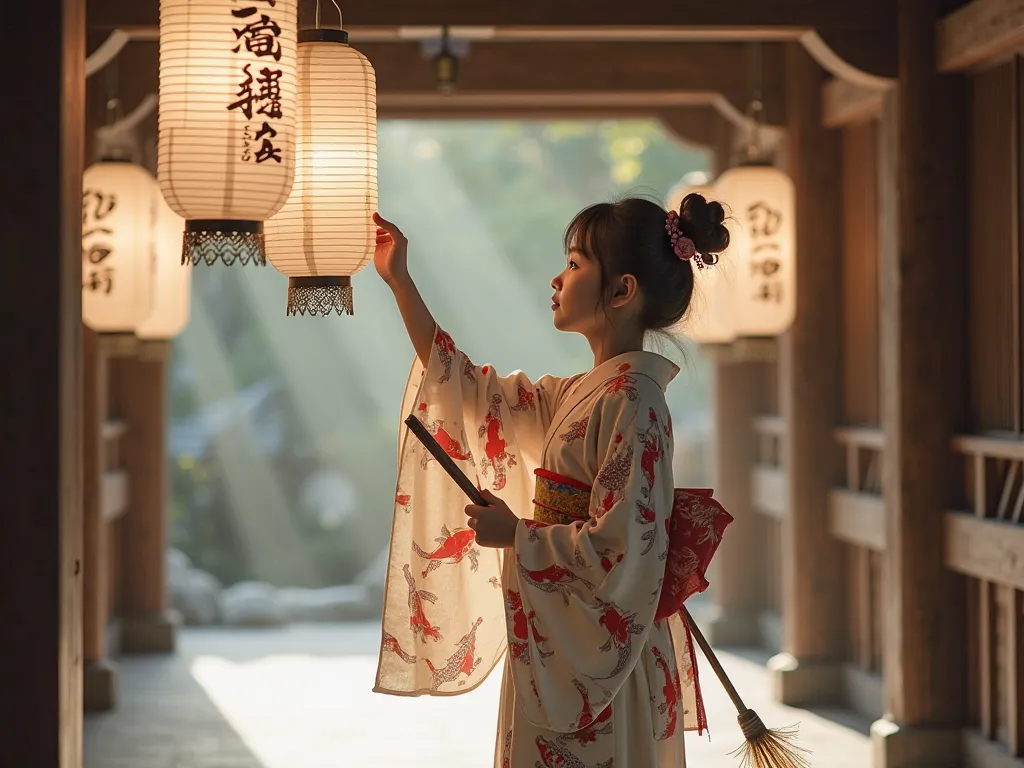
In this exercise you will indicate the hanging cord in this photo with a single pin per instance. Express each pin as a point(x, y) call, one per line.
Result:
point(336, 6)
point(755, 110)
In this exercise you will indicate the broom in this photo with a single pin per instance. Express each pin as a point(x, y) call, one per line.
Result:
point(764, 747)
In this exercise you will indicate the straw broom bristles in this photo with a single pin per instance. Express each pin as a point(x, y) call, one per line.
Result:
point(763, 747)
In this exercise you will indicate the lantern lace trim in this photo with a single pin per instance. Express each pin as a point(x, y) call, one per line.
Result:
point(210, 241)
point(320, 296)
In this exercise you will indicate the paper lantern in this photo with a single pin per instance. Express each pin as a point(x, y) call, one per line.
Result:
point(709, 319)
point(118, 210)
point(763, 247)
point(172, 283)
point(324, 234)
point(227, 121)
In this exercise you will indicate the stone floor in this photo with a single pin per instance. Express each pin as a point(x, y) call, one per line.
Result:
point(300, 698)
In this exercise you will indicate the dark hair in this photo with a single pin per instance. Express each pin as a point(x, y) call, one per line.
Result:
point(629, 237)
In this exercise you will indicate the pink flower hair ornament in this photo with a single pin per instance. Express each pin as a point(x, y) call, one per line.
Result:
point(683, 246)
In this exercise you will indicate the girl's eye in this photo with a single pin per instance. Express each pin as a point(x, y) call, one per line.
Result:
point(572, 264)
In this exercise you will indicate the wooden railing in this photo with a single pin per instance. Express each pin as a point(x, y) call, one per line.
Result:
point(986, 543)
point(768, 489)
point(857, 518)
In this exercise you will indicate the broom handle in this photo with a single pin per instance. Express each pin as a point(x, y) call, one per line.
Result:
point(713, 661)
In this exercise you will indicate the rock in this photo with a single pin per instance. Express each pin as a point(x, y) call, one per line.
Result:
point(197, 596)
point(252, 604)
point(341, 603)
point(178, 564)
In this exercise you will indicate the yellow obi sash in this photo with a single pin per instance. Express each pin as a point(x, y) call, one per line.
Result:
point(560, 500)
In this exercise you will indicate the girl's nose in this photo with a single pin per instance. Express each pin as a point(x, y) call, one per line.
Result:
point(556, 282)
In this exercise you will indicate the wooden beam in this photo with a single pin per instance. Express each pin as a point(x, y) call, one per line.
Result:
point(846, 38)
point(981, 32)
point(843, 103)
point(813, 562)
point(985, 549)
point(695, 126)
point(40, 344)
point(139, 396)
point(582, 74)
point(924, 366)
point(857, 518)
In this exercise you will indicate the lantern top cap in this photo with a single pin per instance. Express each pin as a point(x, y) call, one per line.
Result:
point(323, 36)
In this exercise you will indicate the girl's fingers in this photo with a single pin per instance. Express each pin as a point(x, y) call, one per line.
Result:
point(474, 511)
point(387, 226)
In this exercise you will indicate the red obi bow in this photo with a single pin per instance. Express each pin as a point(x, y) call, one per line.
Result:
point(695, 530)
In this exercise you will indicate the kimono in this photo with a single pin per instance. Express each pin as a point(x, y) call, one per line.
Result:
point(597, 672)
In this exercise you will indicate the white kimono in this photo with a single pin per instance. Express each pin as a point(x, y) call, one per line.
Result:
point(591, 680)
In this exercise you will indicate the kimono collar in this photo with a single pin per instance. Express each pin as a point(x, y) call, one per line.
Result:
point(649, 364)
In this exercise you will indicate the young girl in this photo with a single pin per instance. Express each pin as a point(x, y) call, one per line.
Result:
point(565, 566)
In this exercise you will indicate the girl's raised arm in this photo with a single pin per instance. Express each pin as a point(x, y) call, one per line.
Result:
point(391, 260)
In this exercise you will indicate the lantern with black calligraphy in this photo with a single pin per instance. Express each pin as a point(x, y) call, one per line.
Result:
point(324, 234)
point(227, 121)
point(118, 209)
point(172, 283)
point(762, 200)
point(709, 318)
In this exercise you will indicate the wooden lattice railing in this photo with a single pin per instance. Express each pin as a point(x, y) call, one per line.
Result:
point(857, 518)
point(986, 542)
point(768, 488)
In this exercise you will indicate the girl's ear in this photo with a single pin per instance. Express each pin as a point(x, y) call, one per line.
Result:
point(623, 291)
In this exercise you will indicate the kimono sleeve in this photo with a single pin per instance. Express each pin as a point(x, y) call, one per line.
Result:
point(583, 599)
point(510, 410)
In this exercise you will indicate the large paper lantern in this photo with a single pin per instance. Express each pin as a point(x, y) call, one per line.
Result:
point(227, 121)
point(324, 234)
point(118, 209)
point(763, 246)
point(709, 318)
point(172, 283)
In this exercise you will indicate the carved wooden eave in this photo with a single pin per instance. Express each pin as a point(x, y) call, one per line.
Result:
point(853, 41)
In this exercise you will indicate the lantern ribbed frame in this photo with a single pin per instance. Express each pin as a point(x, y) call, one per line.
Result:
point(761, 197)
point(324, 233)
point(172, 282)
point(216, 168)
point(118, 210)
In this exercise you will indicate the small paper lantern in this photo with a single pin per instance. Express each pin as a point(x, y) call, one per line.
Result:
point(226, 155)
point(172, 283)
point(762, 199)
point(324, 234)
point(118, 210)
point(709, 319)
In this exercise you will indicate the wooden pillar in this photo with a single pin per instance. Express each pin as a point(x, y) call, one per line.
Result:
point(139, 397)
point(810, 389)
point(736, 572)
point(100, 675)
point(923, 311)
point(40, 342)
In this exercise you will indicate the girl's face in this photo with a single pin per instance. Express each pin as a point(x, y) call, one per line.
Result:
point(577, 300)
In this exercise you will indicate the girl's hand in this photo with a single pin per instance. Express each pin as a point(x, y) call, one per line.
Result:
point(495, 524)
point(389, 256)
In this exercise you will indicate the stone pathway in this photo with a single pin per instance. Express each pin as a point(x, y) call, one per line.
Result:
point(300, 698)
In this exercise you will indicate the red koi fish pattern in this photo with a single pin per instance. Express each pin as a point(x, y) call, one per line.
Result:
point(421, 626)
point(462, 662)
point(452, 548)
point(497, 458)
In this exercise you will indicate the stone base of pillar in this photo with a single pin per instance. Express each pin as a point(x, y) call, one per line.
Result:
point(804, 683)
point(732, 629)
point(156, 633)
point(895, 746)
point(99, 685)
